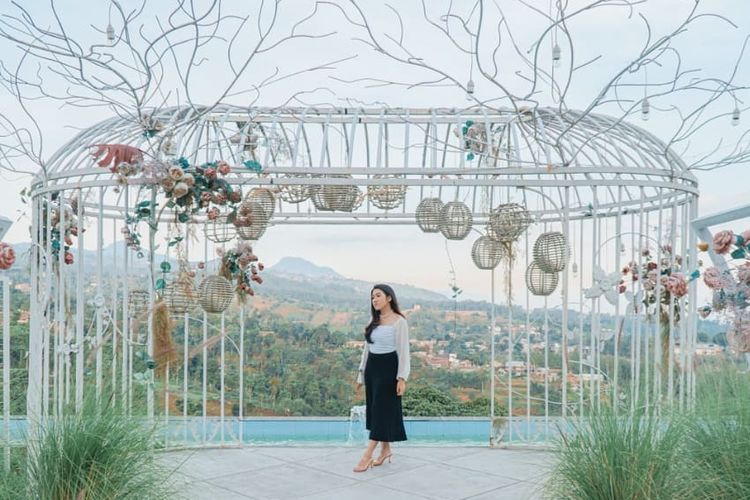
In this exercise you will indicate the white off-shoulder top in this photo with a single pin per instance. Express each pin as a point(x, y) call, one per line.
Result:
point(387, 340)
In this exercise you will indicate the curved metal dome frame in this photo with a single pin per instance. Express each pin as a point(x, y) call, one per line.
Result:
point(543, 150)
point(609, 187)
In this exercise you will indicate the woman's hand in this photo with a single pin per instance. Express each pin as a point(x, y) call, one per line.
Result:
point(400, 387)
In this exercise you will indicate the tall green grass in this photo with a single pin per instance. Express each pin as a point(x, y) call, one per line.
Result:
point(703, 453)
point(609, 456)
point(717, 447)
point(95, 453)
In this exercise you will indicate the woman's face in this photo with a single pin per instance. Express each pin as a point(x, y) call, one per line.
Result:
point(379, 299)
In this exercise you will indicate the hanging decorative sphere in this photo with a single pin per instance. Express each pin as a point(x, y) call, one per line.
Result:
point(487, 253)
point(507, 222)
point(251, 220)
point(551, 252)
point(540, 282)
point(215, 294)
point(179, 295)
point(265, 198)
point(386, 197)
point(428, 215)
point(219, 230)
point(455, 220)
point(138, 301)
point(344, 198)
point(295, 193)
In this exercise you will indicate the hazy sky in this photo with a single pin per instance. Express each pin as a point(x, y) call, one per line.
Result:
point(404, 254)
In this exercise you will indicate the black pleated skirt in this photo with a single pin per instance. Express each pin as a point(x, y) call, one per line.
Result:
point(383, 415)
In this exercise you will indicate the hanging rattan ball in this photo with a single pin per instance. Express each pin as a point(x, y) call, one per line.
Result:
point(540, 282)
point(551, 252)
point(386, 197)
point(328, 197)
point(251, 220)
point(138, 301)
point(487, 253)
point(507, 222)
point(265, 198)
point(295, 193)
point(455, 220)
point(428, 215)
point(215, 294)
point(179, 295)
point(219, 230)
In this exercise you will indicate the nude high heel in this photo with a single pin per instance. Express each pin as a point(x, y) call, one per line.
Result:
point(381, 460)
point(360, 468)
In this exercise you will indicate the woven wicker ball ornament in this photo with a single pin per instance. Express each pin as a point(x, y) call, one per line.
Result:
point(487, 253)
point(219, 230)
point(251, 220)
point(295, 193)
point(265, 198)
point(507, 222)
point(551, 252)
point(179, 295)
point(138, 301)
point(455, 220)
point(428, 215)
point(215, 294)
point(386, 197)
point(344, 198)
point(539, 282)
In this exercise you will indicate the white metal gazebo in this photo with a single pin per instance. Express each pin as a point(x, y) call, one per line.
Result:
point(617, 195)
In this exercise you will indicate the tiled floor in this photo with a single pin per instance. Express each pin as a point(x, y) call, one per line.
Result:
point(326, 473)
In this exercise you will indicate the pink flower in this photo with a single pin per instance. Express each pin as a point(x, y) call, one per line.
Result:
point(677, 285)
point(206, 197)
point(188, 179)
point(260, 266)
point(651, 266)
point(224, 168)
point(68, 258)
point(176, 173)
point(168, 184)
point(219, 198)
point(74, 230)
point(745, 236)
point(235, 196)
point(7, 256)
point(201, 265)
point(213, 213)
point(713, 278)
point(180, 190)
point(210, 173)
point(645, 252)
point(723, 241)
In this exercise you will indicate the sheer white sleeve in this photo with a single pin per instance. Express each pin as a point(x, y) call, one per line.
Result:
point(362, 363)
point(402, 349)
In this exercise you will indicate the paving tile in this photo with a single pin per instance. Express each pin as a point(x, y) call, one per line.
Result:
point(500, 463)
point(201, 490)
point(364, 491)
point(522, 490)
point(443, 482)
point(209, 464)
point(299, 454)
point(435, 453)
point(286, 481)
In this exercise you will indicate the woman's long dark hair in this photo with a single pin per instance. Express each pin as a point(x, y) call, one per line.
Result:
point(375, 321)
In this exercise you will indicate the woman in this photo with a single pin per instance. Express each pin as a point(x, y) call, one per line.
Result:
point(384, 370)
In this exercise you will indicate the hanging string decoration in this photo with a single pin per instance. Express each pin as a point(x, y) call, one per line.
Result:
point(455, 220)
point(428, 215)
point(241, 265)
point(551, 252)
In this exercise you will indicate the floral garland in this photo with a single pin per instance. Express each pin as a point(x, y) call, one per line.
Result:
point(7, 256)
point(731, 288)
point(60, 239)
point(241, 265)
